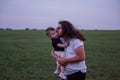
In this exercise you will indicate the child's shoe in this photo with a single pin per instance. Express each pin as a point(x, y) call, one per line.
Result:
point(57, 72)
point(62, 76)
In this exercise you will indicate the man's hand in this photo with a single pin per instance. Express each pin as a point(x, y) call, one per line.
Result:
point(61, 61)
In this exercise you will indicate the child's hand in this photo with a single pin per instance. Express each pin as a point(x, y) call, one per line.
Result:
point(62, 45)
point(59, 45)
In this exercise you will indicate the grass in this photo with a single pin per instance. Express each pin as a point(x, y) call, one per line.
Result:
point(25, 55)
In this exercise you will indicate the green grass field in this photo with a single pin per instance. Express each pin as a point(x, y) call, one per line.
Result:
point(25, 55)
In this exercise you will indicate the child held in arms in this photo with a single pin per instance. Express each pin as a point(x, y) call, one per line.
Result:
point(59, 50)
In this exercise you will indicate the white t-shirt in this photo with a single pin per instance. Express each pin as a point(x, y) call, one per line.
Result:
point(70, 52)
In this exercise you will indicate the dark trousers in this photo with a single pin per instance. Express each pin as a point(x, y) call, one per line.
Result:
point(77, 76)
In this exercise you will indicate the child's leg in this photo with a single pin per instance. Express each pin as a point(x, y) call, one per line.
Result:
point(58, 66)
point(62, 74)
point(57, 71)
point(62, 69)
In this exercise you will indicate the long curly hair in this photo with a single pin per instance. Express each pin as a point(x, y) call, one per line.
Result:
point(70, 31)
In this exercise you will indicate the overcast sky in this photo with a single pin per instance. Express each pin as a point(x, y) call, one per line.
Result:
point(40, 14)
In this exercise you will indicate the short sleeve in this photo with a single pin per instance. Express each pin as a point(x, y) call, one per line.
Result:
point(77, 43)
point(62, 40)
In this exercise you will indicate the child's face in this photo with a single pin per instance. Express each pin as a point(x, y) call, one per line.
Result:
point(53, 34)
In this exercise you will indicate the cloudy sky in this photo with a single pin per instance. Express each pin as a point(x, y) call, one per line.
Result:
point(40, 14)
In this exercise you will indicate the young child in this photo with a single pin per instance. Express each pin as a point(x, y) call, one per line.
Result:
point(59, 50)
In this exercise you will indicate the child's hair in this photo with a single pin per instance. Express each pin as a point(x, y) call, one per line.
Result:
point(48, 30)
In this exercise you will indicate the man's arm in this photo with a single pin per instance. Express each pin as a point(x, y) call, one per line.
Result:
point(80, 56)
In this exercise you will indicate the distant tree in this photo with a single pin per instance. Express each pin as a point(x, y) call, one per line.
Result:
point(8, 28)
point(27, 29)
point(34, 29)
point(1, 28)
